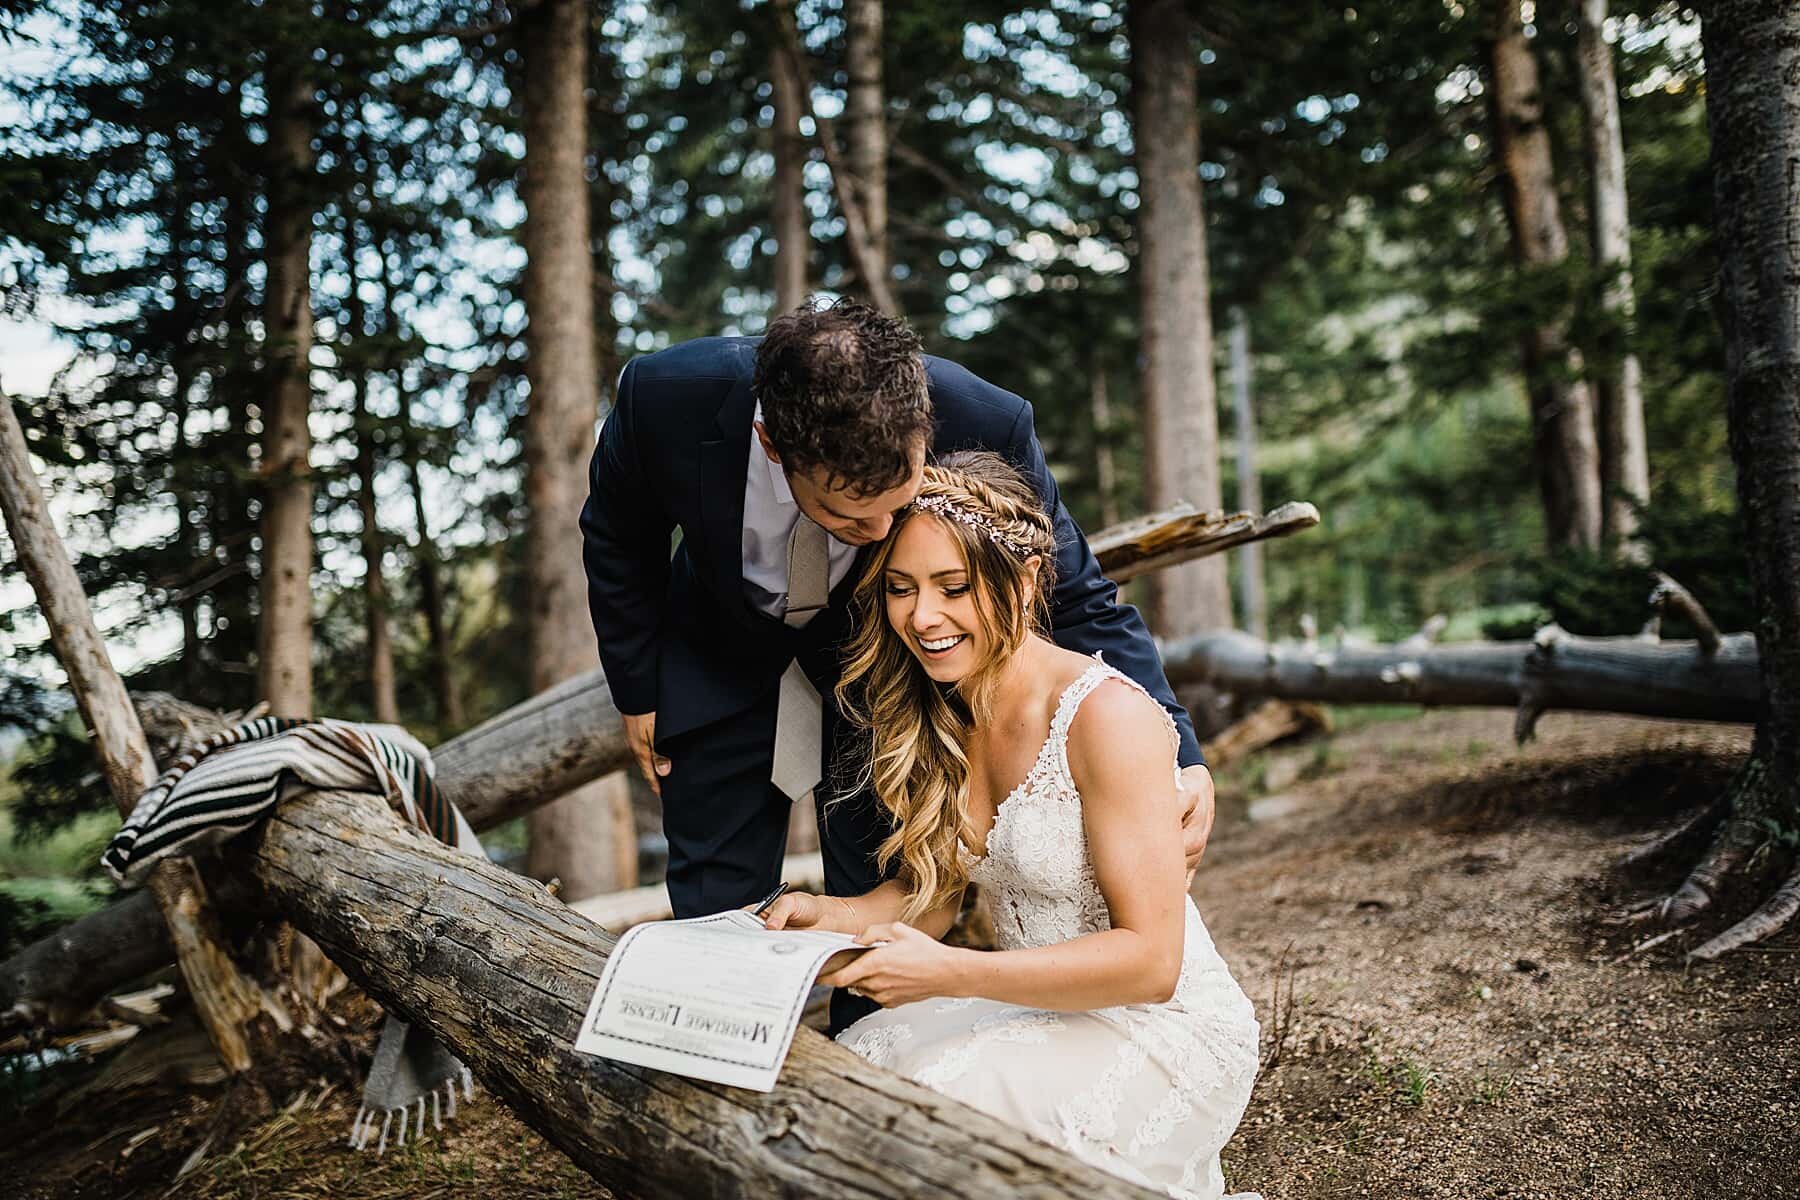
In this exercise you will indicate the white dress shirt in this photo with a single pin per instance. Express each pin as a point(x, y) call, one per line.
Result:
point(769, 517)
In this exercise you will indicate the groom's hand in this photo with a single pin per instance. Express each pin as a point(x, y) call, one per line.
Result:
point(1197, 820)
point(640, 735)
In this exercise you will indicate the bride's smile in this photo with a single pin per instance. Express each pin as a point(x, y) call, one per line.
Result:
point(929, 602)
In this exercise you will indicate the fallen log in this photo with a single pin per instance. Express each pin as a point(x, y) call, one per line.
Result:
point(1266, 724)
point(1178, 535)
point(1554, 670)
point(501, 973)
point(523, 757)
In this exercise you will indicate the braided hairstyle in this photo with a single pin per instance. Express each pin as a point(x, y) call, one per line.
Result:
point(913, 751)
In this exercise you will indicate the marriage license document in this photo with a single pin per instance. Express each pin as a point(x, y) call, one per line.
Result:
point(713, 998)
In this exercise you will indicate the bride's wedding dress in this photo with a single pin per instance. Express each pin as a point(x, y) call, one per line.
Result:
point(1150, 1092)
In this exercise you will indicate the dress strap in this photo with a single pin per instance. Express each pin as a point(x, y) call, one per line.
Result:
point(1070, 703)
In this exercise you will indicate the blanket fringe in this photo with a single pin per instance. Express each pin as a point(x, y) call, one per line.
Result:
point(443, 1097)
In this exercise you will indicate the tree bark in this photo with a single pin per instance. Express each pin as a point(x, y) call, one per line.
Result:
point(431, 580)
point(284, 659)
point(1618, 379)
point(586, 838)
point(1249, 483)
point(226, 1001)
point(788, 200)
point(865, 114)
point(1175, 340)
point(1106, 475)
point(502, 974)
point(1562, 417)
point(1552, 671)
point(380, 647)
point(1752, 52)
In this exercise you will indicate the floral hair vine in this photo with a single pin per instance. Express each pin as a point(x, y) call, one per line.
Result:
point(943, 506)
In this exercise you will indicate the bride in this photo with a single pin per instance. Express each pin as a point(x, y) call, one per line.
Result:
point(1106, 1023)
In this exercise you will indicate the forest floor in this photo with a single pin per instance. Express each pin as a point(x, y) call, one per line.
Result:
point(1465, 1021)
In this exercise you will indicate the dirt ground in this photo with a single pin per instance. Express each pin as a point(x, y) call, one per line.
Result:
point(1421, 913)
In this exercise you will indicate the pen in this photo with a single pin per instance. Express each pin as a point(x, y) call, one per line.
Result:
point(771, 898)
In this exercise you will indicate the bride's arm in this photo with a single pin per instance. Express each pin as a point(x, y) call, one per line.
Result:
point(1120, 757)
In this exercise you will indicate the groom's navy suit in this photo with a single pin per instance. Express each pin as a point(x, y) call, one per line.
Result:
point(678, 636)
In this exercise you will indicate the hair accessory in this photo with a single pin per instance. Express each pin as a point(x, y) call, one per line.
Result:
point(944, 506)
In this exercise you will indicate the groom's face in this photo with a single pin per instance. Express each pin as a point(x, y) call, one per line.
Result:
point(853, 517)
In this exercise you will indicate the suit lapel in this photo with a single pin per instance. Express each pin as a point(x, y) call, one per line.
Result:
point(724, 459)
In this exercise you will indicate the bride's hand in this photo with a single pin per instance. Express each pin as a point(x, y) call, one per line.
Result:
point(803, 910)
point(906, 966)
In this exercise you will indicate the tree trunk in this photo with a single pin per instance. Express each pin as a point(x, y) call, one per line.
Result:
point(858, 240)
point(1249, 484)
point(1563, 441)
point(788, 201)
point(1106, 475)
point(380, 646)
point(230, 525)
point(502, 974)
point(285, 634)
point(1618, 380)
point(1175, 345)
point(1752, 52)
point(225, 1000)
point(865, 112)
point(431, 583)
point(586, 838)
point(186, 532)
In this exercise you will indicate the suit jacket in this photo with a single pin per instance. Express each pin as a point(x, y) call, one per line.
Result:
point(676, 633)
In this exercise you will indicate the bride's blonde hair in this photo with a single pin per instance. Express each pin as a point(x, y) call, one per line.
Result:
point(914, 752)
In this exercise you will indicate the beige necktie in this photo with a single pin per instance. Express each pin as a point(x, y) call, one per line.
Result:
point(799, 714)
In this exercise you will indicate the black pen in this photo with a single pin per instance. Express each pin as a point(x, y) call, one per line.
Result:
point(771, 898)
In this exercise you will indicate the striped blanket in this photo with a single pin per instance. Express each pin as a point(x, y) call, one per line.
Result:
point(207, 795)
point(234, 779)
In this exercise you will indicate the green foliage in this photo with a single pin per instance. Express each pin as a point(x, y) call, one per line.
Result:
point(1352, 214)
point(1701, 549)
point(49, 846)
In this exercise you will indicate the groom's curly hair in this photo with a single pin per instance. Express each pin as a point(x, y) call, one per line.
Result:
point(842, 387)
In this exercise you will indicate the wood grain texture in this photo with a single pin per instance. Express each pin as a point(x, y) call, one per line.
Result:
point(502, 973)
point(1175, 535)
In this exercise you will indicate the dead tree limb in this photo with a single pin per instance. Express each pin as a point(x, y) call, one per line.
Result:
point(1670, 596)
point(225, 1000)
point(502, 973)
point(1266, 724)
point(1555, 670)
point(1181, 534)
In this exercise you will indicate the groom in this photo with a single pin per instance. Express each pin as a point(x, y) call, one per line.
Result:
point(774, 460)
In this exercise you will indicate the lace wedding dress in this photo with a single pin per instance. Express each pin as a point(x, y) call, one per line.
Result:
point(1150, 1092)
